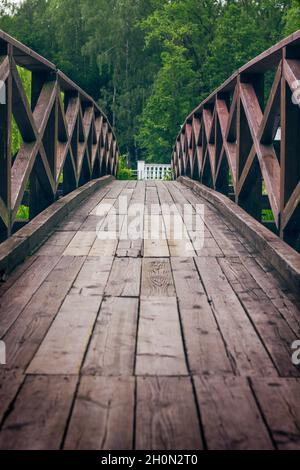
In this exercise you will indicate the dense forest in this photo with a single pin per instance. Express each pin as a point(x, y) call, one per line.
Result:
point(149, 62)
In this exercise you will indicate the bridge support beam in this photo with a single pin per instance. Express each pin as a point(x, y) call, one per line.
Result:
point(290, 150)
point(5, 139)
point(249, 197)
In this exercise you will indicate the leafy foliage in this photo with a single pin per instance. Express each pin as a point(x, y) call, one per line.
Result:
point(293, 17)
point(124, 173)
point(149, 62)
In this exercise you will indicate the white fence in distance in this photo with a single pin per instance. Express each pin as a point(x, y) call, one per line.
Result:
point(153, 171)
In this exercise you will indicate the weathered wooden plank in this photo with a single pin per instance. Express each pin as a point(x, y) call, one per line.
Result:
point(187, 281)
point(132, 184)
point(105, 248)
point(181, 248)
point(230, 417)
point(93, 276)
point(124, 279)
point(166, 416)
point(10, 382)
point(112, 224)
point(116, 189)
point(206, 351)
point(207, 247)
point(156, 248)
point(279, 401)
point(92, 223)
point(277, 291)
point(104, 207)
point(157, 278)
point(72, 223)
point(25, 336)
point(80, 244)
point(270, 326)
point(66, 269)
point(130, 248)
point(106, 407)
point(112, 347)
point(11, 279)
point(228, 241)
point(154, 227)
point(159, 344)
point(39, 416)
point(16, 298)
point(74, 322)
point(244, 348)
point(56, 244)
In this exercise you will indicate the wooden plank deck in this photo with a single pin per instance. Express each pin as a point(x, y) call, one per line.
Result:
point(148, 344)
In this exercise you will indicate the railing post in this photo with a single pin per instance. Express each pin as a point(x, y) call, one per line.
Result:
point(289, 152)
point(5, 140)
point(69, 177)
point(250, 197)
point(41, 194)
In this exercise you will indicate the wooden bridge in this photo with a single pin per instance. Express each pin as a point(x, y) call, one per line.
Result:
point(150, 342)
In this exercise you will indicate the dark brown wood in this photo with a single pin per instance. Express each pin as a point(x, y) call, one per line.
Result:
point(240, 143)
point(166, 414)
point(164, 366)
point(107, 355)
point(230, 414)
point(106, 406)
point(279, 401)
point(62, 131)
point(35, 405)
point(5, 144)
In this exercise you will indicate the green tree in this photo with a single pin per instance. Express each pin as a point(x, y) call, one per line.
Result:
point(176, 85)
point(117, 41)
point(182, 30)
point(244, 30)
point(149, 62)
point(293, 18)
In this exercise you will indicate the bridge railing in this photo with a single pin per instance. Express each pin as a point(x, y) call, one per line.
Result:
point(63, 138)
point(244, 139)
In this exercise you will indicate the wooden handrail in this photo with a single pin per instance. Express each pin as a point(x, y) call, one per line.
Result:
point(66, 138)
point(246, 136)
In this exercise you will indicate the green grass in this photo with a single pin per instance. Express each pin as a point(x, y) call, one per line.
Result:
point(23, 213)
point(169, 176)
point(124, 173)
point(267, 215)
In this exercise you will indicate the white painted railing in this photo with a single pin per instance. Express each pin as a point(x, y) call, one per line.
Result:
point(153, 171)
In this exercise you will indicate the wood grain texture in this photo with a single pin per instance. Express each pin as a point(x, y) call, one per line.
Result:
point(104, 247)
point(10, 382)
point(279, 401)
point(106, 407)
point(125, 278)
point(16, 298)
point(244, 348)
point(75, 322)
point(166, 414)
point(120, 345)
point(112, 348)
point(157, 278)
point(230, 416)
point(27, 333)
point(271, 327)
point(93, 276)
point(80, 244)
point(159, 342)
point(36, 421)
point(156, 248)
point(56, 244)
point(206, 351)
